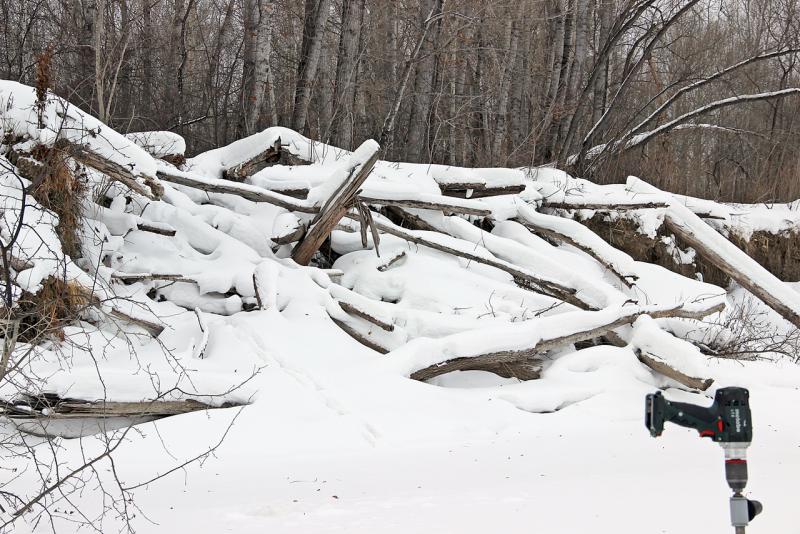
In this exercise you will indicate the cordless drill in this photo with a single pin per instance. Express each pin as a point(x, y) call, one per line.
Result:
point(728, 422)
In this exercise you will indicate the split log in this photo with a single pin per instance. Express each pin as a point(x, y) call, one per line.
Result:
point(544, 344)
point(658, 365)
point(248, 192)
point(151, 188)
point(336, 206)
point(268, 157)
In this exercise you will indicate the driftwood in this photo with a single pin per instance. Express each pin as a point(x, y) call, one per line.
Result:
point(271, 156)
point(546, 344)
point(155, 229)
point(290, 237)
point(151, 189)
point(30, 407)
point(248, 192)
point(352, 332)
point(129, 278)
point(660, 366)
point(443, 206)
point(334, 209)
point(723, 263)
point(481, 191)
point(394, 259)
point(357, 312)
point(601, 206)
point(153, 328)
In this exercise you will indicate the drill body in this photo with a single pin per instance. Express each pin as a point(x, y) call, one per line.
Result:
point(727, 421)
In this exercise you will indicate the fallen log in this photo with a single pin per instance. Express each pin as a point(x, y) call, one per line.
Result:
point(337, 202)
point(658, 365)
point(151, 188)
point(155, 229)
point(580, 237)
point(359, 338)
point(393, 260)
point(241, 171)
point(248, 192)
point(129, 278)
point(545, 343)
point(357, 312)
point(727, 257)
point(601, 206)
point(432, 204)
point(482, 191)
point(523, 278)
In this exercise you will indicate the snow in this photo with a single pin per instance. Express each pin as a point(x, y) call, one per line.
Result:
point(159, 144)
point(333, 436)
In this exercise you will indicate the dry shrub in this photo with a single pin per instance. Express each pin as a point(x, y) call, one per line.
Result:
point(60, 191)
point(57, 304)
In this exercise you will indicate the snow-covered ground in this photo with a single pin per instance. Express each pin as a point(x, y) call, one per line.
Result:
point(335, 443)
point(336, 437)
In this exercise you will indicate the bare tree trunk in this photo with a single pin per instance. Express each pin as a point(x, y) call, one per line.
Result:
point(423, 83)
point(341, 128)
point(316, 16)
point(99, 40)
point(146, 53)
point(512, 43)
point(600, 89)
point(256, 67)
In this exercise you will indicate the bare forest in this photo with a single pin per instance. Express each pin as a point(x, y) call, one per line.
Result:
point(700, 96)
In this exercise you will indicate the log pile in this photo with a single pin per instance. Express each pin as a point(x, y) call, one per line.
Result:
point(199, 239)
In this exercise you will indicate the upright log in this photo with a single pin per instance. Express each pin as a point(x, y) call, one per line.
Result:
point(334, 208)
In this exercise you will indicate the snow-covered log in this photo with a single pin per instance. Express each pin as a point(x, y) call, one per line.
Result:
point(575, 234)
point(726, 256)
point(523, 342)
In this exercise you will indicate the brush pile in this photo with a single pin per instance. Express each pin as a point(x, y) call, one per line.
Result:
point(123, 261)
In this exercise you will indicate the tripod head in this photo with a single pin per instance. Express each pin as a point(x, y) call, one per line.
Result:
point(728, 422)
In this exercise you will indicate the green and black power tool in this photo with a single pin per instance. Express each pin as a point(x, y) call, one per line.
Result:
point(728, 422)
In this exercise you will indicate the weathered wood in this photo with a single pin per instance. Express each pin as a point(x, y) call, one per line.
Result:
point(660, 366)
point(76, 408)
point(334, 209)
point(481, 192)
point(358, 337)
point(146, 227)
point(129, 278)
point(602, 206)
point(543, 345)
point(394, 259)
point(154, 329)
point(443, 206)
point(723, 263)
point(151, 188)
point(290, 237)
point(248, 192)
point(353, 310)
point(240, 172)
